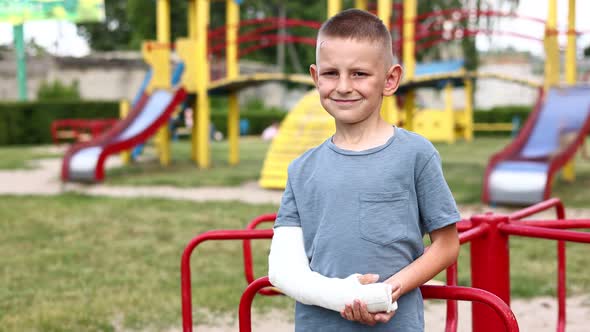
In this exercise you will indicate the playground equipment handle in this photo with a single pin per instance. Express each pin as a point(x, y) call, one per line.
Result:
point(185, 267)
point(428, 292)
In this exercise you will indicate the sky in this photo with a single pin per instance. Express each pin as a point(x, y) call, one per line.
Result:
point(61, 37)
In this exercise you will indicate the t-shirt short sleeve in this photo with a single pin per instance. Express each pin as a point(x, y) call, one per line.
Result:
point(288, 214)
point(435, 201)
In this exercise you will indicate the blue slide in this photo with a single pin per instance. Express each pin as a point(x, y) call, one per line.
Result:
point(523, 172)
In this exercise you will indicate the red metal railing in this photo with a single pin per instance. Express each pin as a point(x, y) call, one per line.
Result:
point(490, 267)
point(79, 129)
point(490, 254)
point(501, 309)
point(185, 264)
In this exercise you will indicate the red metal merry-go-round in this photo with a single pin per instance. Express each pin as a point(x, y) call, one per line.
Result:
point(488, 235)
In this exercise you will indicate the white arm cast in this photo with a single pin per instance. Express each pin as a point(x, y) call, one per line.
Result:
point(288, 270)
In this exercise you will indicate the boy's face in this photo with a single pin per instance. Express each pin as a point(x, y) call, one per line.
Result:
point(352, 77)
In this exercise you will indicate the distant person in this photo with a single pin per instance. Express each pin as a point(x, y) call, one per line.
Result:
point(348, 238)
point(188, 117)
point(270, 132)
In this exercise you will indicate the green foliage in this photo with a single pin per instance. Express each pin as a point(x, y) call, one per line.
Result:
point(258, 120)
point(57, 90)
point(587, 52)
point(128, 23)
point(30, 122)
point(112, 34)
point(501, 114)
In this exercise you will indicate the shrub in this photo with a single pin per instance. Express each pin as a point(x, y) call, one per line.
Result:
point(57, 90)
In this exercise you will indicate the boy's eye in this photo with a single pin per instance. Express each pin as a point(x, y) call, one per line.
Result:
point(329, 73)
point(359, 74)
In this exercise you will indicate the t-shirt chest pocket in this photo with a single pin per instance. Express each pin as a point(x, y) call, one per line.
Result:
point(383, 216)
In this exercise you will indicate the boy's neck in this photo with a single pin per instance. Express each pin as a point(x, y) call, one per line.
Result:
point(362, 136)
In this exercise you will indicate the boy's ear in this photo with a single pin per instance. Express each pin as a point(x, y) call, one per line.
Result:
point(313, 71)
point(394, 76)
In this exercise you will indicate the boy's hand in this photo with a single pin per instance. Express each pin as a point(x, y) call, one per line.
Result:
point(357, 311)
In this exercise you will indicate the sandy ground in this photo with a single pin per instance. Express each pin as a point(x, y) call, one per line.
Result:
point(538, 314)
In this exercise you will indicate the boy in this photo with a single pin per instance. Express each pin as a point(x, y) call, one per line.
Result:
point(356, 208)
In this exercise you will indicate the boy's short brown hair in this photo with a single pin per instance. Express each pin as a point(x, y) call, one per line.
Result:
point(358, 25)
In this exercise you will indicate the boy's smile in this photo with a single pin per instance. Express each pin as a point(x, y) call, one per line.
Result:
point(352, 76)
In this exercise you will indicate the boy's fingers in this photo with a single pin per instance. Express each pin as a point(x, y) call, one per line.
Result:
point(356, 310)
point(348, 312)
point(367, 318)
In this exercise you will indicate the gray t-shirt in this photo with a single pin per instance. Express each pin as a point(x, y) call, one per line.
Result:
point(366, 212)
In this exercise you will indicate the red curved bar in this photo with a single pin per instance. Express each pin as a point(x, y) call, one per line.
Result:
point(540, 207)
point(473, 233)
point(428, 292)
point(247, 252)
point(473, 295)
point(545, 233)
point(463, 225)
point(557, 224)
point(561, 257)
point(185, 268)
point(464, 13)
point(452, 307)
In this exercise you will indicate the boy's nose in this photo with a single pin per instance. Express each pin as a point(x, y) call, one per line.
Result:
point(344, 85)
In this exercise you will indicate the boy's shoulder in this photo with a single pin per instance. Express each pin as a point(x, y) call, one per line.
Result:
point(308, 157)
point(415, 142)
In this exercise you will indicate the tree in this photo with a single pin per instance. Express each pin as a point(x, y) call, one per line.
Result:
point(130, 22)
point(587, 52)
point(112, 34)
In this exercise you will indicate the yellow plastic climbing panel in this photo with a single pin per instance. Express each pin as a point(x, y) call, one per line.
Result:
point(307, 125)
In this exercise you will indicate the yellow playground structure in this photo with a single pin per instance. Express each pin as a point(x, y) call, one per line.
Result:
point(308, 125)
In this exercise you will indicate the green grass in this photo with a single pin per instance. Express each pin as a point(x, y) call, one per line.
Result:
point(184, 173)
point(21, 157)
point(76, 263)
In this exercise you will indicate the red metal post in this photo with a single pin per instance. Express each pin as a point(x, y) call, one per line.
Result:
point(490, 269)
point(452, 307)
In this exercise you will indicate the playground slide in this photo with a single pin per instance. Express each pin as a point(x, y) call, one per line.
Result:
point(176, 76)
point(522, 173)
point(85, 162)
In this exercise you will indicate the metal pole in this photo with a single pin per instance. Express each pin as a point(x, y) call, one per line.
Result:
point(21, 60)
point(410, 8)
point(233, 71)
point(163, 37)
point(334, 7)
point(490, 270)
point(203, 119)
